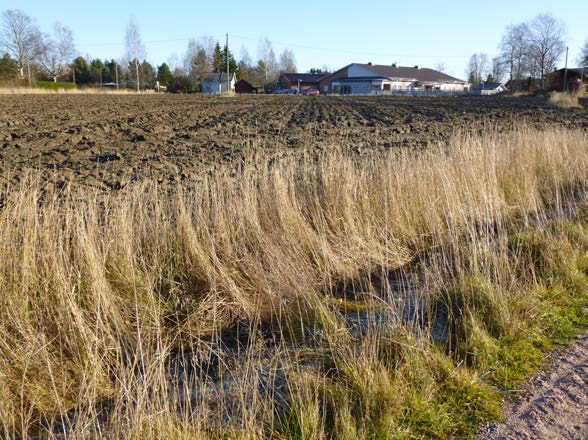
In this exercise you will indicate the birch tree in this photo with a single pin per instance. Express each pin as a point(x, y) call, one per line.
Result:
point(478, 67)
point(58, 52)
point(514, 51)
point(267, 59)
point(287, 61)
point(20, 38)
point(546, 44)
point(134, 47)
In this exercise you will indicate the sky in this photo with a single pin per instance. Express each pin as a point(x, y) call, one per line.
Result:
point(330, 33)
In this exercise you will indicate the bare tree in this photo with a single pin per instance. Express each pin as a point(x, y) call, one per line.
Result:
point(583, 58)
point(58, 52)
point(134, 46)
point(267, 59)
point(546, 44)
point(287, 61)
point(20, 38)
point(478, 67)
point(197, 60)
point(441, 67)
point(498, 69)
point(514, 51)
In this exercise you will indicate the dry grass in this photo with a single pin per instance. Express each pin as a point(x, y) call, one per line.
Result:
point(99, 290)
point(564, 100)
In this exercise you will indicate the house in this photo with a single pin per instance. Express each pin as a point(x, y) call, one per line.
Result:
point(216, 82)
point(243, 86)
point(489, 88)
point(379, 79)
point(576, 78)
point(300, 81)
point(529, 84)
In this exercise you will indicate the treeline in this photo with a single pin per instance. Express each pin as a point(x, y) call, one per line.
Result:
point(30, 55)
point(527, 54)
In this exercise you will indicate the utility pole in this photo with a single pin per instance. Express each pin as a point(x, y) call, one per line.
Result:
point(116, 73)
point(565, 84)
point(227, 56)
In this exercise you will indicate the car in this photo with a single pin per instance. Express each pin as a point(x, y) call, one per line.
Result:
point(285, 92)
point(311, 91)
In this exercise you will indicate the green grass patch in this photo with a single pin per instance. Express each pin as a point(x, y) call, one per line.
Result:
point(49, 85)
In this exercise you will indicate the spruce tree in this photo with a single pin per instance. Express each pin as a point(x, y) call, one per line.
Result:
point(164, 75)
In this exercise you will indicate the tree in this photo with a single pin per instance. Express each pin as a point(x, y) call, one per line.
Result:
point(196, 60)
point(232, 63)
point(267, 64)
point(583, 58)
point(497, 69)
point(244, 68)
point(478, 67)
point(287, 61)
point(164, 75)
point(316, 70)
point(546, 44)
point(8, 67)
point(80, 71)
point(20, 38)
point(113, 71)
point(97, 68)
point(514, 51)
point(217, 59)
point(135, 48)
point(441, 67)
point(58, 52)
point(147, 73)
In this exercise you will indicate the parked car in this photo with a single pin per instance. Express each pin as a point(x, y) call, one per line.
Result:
point(310, 91)
point(286, 92)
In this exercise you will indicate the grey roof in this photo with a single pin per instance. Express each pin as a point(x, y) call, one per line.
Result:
point(304, 77)
point(360, 78)
point(216, 76)
point(417, 73)
point(579, 70)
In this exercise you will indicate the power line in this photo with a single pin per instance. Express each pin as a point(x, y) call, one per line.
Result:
point(292, 45)
point(351, 52)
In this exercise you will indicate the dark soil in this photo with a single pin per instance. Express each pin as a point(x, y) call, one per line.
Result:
point(109, 141)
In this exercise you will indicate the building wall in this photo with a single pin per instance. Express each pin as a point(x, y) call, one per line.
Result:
point(216, 86)
point(210, 87)
point(454, 87)
point(325, 85)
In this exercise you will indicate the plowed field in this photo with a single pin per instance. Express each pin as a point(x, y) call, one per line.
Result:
point(108, 141)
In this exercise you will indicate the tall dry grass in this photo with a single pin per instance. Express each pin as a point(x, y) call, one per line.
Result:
point(564, 100)
point(99, 290)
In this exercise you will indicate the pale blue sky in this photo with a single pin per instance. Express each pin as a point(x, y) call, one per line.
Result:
point(332, 32)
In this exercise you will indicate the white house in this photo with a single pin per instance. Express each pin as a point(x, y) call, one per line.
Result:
point(491, 88)
point(378, 79)
point(216, 82)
